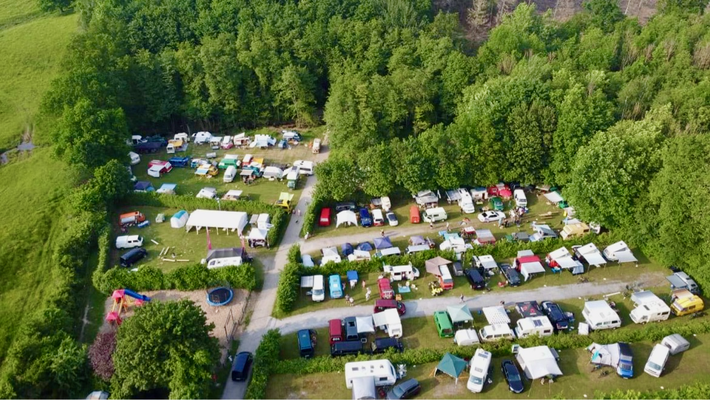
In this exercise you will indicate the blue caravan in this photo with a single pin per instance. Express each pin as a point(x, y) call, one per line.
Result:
point(335, 286)
point(365, 218)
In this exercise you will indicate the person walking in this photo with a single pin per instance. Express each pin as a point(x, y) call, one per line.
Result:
point(382, 232)
point(367, 294)
point(462, 298)
point(447, 227)
point(364, 284)
point(351, 300)
point(431, 224)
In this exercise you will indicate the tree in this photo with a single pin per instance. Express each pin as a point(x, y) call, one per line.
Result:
point(338, 178)
point(53, 5)
point(101, 355)
point(682, 6)
point(604, 13)
point(527, 141)
point(165, 345)
point(376, 164)
point(112, 180)
point(295, 93)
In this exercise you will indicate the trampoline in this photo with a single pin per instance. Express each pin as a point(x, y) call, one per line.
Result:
point(219, 296)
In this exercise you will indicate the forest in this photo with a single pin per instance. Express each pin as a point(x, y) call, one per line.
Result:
point(614, 112)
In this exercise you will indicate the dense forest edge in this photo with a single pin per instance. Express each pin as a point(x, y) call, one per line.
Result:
point(614, 112)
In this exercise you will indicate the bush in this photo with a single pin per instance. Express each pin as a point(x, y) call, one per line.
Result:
point(100, 355)
point(287, 291)
point(294, 254)
point(265, 361)
point(309, 218)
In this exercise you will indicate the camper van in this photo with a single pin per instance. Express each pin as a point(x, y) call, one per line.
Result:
point(540, 326)
point(572, 231)
point(520, 199)
point(304, 167)
point(318, 291)
point(129, 242)
point(496, 332)
point(685, 303)
point(681, 280)
point(599, 315)
point(382, 371)
point(135, 158)
point(401, 272)
point(229, 174)
point(649, 308)
point(435, 214)
point(480, 363)
point(676, 343)
point(445, 278)
point(377, 218)
point(335, 287)
point(657, 360)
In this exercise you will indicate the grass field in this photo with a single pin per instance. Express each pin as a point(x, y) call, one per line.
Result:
point(31, 190)
point(30, 59)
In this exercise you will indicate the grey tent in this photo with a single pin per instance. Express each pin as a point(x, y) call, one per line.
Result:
point(382, 243)
point(432, 265)
point(459, 313)
point(417, 240)
point(451, 365)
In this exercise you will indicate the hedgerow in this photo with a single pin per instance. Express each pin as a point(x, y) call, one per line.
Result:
point(265, 361)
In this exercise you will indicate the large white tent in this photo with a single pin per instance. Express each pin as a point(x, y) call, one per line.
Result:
point(563, 258)
point(346, 217)
point(591, 254)
point(364, 324)
point(538, 362)
point(225, 220)
point(529, 268)
point(554, 197)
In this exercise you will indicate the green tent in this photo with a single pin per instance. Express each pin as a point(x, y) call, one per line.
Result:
point(451, 365)
point(459, 313)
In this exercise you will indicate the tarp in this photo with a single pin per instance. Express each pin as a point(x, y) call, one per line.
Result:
point(554, 197)
point(538, 362)
point(496, 315)
point(347, 249)
point(382, 243)
point(258, 234)
point(459, 313)
point(591, 254)
point(364, 246)
point(488, 262)
point(452, 365)
point(365, 324)
point(432, 265)
point(346, 217)
point(227, 220)
point(352, 276)
point(625, 257)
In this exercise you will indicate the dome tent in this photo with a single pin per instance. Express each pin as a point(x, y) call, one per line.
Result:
point(179, 219)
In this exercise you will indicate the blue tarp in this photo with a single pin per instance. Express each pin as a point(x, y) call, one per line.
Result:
point(364, 246)
point(382, 243)
point(347, 249)
point(352, 276)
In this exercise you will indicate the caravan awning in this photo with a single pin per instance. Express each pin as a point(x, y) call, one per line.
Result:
point(496, 315)
point(432, 265)
point(554, 197)
point(488, 262)
point(559, 253)
point(567, 262)
point(625, 257)
point(537, 362)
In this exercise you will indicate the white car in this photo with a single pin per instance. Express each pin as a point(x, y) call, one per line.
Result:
point(392, 219)
point(491, 216)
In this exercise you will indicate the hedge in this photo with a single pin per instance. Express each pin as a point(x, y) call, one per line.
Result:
point(279, 218)
point(188, 277)
point(651, 332)
point(265, 360)
point(309, 218)
point(104, 244)
point(696, 390)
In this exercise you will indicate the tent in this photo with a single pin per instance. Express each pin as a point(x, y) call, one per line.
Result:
point(143, 186)
point(389, 320)
point(451, 365)
point(459, 313)
point(258, 234)
point(352, 278)
point(605, 354)
point(554, 197)
point(528, 268)
point(432, 265)
point(167, 188)
point(364, 324)
point(417, 240)
point(484, 236)
point(307, 260)
point(382, 243)
point(359, 255)
point(225, 220)
point(364, 246)
point(538, 362)
point(179, 219)
point(364, 387)
point(591, 254)
point(330, 254)
point(347, 249)
point(488, 262)
point(346, 217)
point(496, 315)
point(563, 259)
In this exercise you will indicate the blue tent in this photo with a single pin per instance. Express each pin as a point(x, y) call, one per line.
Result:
point(347, 249)
point(382, 243)
point(144, 186)
point(352, 276)
point(364, 246)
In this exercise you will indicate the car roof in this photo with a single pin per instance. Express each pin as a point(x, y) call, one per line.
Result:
point(409, 383)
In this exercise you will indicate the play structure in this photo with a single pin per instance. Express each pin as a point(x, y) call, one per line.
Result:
point(121, 302)
point(219, 296)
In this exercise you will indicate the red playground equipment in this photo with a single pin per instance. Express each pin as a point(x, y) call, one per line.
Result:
point(121, 304)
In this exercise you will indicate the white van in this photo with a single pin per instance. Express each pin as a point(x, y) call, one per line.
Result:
point(599, 315)
point(182, 136)
point(318, 291)
point(201, 137)
point(401, 272)
point(496, 332)
point(129, 241)
point(520, 199)
point(435, 214)
point(135, 158)
point(304, 167)
point(229, 174)
point(540, 326)
point(377, 218)
point(657, 360)
point(466, 337)
point(480, 362)
point(390, 251)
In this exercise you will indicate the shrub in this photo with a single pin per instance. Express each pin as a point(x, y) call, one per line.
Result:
point(287, 291)
point(309, 218)
point(100, 355)
point(294, 254)
point(265, 361)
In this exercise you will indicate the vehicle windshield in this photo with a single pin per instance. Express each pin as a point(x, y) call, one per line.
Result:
point(477, 380)
point(318, 292)
point(654, 366)
point(398, 391)
point(625, 366)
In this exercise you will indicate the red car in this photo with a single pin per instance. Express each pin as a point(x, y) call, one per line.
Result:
point(385, 287)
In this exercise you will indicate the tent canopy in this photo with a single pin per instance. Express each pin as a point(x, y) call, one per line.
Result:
point(554, 197)
point(459, 313)
point(364, 324)
point(352, 276)
point(488, 262)
point(346, 217)
point(432, 265)
point(232, 220)
point(567, 262)
point(382, 243)
point(529, 268)
point(496, 315)
point(347, 249)
point(625, 256)
point(605, 354)
point(417, 240)
point(591, 254)
point(364, 246)
point(388, 317)
point(559, 253)
point(330, 252)
point(258, 234)
point(452, 365)
point(538, 362)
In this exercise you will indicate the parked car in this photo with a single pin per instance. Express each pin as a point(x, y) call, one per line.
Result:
point(475, 279)
point(491, 216)
point(510, 274)
point(347, 205)
point(558, 318)
point(133, 256)
point(626, 361)
point(381, 345)
point(365, 218)
point(392, 219)
point(512, 376)
point(496, 203)
point(241, 366)
point(405, 390)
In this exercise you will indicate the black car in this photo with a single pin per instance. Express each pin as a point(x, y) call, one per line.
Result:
point(381, 345)
point(512, 376)
point(558, 317)
point(241, 366)
point(132, 256)
point(347, 205)
point(510, 274)
point(475, 279)
point(405, 390)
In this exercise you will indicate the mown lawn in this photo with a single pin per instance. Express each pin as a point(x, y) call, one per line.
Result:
point(32, 189)
point(30, 59)
point(578, 380)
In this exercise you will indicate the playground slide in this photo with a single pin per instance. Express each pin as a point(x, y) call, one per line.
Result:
point(129, 292)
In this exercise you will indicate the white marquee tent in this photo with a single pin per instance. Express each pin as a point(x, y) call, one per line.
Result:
point(365, 324)
point(346, 217)
point(538, 362)
point(225, 220)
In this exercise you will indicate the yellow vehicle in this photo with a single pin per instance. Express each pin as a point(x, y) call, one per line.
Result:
point(207, 170)
point(284, 201)
point(684, 303)
point(574, 230)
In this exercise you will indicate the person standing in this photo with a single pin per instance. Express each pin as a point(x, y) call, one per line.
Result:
point(462, 298)
point(367, 294)
point(382, 232)
point(431, 224)
point(447, 227)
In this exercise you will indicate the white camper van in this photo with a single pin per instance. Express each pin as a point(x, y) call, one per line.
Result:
point(466, 337)
point(201, 137)
point(649, 308)
point(377, 218)
point(401, 272)
point(520, 199)
point(229, 174)
point(318, 290)
point(480, 363)
point(182, 136)
point(435, 214)
point(496, 332)
point(129, 241)
point(599, 315)
point(657, 360)
point(304, 167)
point(540, 326)
point(135, 158)
point(382, 370)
